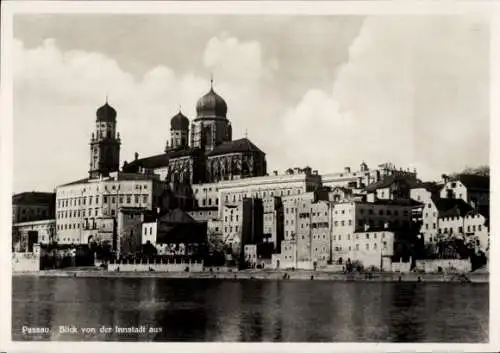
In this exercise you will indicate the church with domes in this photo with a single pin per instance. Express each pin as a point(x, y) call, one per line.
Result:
point(201, 150)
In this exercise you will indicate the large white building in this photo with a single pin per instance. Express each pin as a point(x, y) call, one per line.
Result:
point(88, 209)
point(364, 176)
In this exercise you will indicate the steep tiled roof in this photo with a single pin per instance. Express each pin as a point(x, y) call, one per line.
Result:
point(476, 182)
point(451, 207)
point(177, 216)
point(241, 145)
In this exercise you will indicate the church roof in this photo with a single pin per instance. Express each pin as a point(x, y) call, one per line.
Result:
point(106, 113)
point(179, 122)
point(211, 105)
point(241, 145)
point(160, 160)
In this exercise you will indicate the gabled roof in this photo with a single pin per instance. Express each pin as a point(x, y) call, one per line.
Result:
point(472, 181)
point(241, 145)
point(177, 216)
point(451, 207)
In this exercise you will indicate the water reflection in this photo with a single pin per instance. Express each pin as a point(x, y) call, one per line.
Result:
point(257, 311)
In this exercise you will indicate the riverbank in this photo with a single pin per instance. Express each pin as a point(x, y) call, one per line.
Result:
point(473, 277)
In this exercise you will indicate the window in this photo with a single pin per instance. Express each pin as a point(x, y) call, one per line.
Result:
point(340, 237)
point(136, 198)
point(367, 235)
point(479, 228)
point(105, 199)
point(112, 212)
point(350, 222)
point(129, 199)
point(357, 246)
point(113, 200)
point(342, 223)
point(473, 228)
point(90, 200)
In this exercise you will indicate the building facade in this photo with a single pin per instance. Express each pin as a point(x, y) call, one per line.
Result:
point(33, 206)
point(26, 234)
point(364, 176)
point(473, 189)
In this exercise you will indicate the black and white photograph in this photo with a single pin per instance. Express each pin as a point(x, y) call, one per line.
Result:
point(263, 173)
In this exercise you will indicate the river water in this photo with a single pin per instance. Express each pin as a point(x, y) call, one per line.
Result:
point(247, 310)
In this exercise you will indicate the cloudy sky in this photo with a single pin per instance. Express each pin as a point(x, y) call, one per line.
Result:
point(323, 91)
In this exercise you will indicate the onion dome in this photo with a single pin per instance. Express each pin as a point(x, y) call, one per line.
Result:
point(179, 122)
point(106, 113)
point(211, 105)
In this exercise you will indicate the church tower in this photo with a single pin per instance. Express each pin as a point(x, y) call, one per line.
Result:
point(211, 126)
point(179, 132)
point(104, 144)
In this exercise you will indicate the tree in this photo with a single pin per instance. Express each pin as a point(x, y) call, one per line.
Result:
point(149, 249)
point(483, 170)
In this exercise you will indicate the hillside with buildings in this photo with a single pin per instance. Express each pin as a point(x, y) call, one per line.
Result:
point(208, 198)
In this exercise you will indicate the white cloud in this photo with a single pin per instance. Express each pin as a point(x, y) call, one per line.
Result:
point(232, 60)
point(57, 94)
point(410, 93)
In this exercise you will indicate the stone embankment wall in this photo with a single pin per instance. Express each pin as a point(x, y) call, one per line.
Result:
point(165, 267)
point(25, 262)
point(452, 265)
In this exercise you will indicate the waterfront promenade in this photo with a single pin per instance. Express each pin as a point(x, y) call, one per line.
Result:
point(472, 277)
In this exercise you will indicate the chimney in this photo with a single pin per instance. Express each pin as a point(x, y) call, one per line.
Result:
point(136, 156)
point(347, 169)
point(275, 172)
